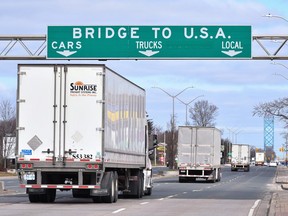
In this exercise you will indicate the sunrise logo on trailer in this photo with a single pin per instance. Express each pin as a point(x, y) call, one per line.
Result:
point(78, 88)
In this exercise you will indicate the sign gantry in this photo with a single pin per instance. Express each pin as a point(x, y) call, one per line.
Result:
point(157, 42)
point(22, 47)
point(272, 55)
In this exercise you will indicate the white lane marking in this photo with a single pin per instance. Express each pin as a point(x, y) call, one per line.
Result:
point(171, 196)
point(119, 210)
point(253, 207)
point(184, 192)
point(161, 199)
point(144, 203)
point(196, 190)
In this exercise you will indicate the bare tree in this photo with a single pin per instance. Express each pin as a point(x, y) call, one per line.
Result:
point(7, 129)
point(203, 114)
point(277, 108)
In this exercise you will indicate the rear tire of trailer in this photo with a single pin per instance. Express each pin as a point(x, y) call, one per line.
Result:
point(49, 197)
point(136, 187)
point(110, 188)
point(97, 199)
point(115, 187)
point(182, 179)
point(219, 176)
point(148, 192)
point(34, 198)
point(214, 177)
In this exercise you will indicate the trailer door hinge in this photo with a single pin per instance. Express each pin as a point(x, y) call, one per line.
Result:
point(100, 101)
point(21, 101)
point(20, 128)
point(21, 73)
point(99, 129)
point(100, 73)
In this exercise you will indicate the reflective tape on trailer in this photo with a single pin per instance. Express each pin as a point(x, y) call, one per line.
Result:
point(67, 160)
point(61, 186)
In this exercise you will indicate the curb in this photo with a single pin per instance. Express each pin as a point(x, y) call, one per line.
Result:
point(284, 186)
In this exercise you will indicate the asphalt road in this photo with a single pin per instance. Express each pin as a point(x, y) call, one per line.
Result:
point(236, 194)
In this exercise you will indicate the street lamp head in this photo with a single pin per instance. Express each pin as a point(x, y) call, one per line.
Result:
point(276, 63)
point(268, 15)
point(275, 16)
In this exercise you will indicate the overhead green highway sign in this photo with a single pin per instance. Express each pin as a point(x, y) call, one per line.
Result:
point(149, 42)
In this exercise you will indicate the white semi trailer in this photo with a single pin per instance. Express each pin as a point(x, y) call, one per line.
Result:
point(240, 157)
point(260, 158)
point(199, 153)
point(81, 128)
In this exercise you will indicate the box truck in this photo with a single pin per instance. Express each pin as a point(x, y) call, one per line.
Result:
point(199, 153)
point(240, 157)
point(81, 128)
point(260, 158)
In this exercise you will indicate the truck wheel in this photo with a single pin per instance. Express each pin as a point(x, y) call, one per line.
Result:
point(115, 187)
point(34, 198)
point(111, 190)
point(193, 179)
point(219, 176)
point(148, 192)
point(137, 186)
point(214, 177)
point(52, 195)
point(97, 199)
point(49, 197)
point(182, 179)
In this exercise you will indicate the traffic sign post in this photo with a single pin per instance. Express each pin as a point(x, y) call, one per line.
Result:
point(149, 42)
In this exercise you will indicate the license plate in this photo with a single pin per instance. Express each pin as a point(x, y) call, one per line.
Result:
point(29, 176)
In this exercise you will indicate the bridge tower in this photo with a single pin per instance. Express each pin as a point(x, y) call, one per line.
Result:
point(268, 133)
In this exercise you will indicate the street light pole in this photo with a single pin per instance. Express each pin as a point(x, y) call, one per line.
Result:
point(173, 101)
point(275, 16)
point(276, 63)
point(236, 134)
point(173, 115)
point(186, 104)
point(233, 132)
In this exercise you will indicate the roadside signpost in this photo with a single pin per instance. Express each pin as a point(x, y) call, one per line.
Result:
point(149, 42)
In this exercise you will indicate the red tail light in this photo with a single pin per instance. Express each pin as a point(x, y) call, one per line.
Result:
point(92, 166)
point(26, 166)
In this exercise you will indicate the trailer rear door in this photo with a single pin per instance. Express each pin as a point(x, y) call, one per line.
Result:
point(60, 112)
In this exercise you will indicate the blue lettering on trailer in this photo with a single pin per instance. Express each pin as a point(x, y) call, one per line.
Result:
point(26, 152)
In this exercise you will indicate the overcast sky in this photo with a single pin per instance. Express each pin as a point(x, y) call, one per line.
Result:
point(234, 86)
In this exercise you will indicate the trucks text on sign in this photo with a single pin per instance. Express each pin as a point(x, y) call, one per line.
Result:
point(148, 42)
